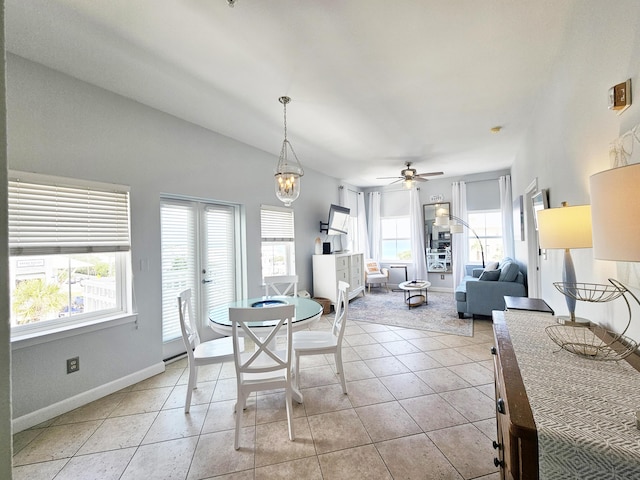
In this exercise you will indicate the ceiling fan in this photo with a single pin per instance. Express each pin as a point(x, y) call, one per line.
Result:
point(410, 175)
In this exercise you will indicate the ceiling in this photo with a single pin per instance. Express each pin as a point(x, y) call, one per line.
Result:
point(373, 83)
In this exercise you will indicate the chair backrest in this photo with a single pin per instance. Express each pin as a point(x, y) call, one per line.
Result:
point(266, 357)
point(187, 327)
point(281, 285)
point(342, 307)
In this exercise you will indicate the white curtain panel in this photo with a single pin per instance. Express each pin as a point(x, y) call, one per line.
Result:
point(460, 241)
point(374, 225)
point(506, 208)
point(417, 236)
point(363, 234)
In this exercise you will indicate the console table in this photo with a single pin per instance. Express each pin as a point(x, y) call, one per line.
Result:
point(560, 415)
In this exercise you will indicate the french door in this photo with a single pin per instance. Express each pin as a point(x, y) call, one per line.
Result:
point(201, 250)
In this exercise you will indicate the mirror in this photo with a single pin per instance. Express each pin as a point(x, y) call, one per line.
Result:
point(437, 238)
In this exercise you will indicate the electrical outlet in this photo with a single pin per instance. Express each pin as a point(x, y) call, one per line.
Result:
point(441, 277)
point(73, 364)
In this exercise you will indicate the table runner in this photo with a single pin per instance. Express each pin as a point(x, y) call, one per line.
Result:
point(584, 409)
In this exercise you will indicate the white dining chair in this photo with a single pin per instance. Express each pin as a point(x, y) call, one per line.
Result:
point(316, 342)
point(268, 367)
point(199, 353)
point(281, 285)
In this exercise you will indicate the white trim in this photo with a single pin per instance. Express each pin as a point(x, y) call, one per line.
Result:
point(51, 411)
point(70, 330)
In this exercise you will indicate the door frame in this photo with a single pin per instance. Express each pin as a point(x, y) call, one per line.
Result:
point(534, 285)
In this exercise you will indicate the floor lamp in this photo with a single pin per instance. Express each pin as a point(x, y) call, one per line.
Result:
point(566, 228)
point(445, 220)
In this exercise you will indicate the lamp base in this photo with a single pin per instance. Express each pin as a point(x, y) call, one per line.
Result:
point(575, 322)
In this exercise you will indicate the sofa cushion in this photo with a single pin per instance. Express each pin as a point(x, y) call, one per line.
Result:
point(509, 272)
point(490, 276)
point(492, 266)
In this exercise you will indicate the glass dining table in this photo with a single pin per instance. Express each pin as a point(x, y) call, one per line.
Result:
point(307, 313)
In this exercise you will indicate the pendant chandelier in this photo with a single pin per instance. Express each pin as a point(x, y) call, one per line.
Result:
point(289, 170)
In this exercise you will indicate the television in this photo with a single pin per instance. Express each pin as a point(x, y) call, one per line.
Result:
point(338, 223)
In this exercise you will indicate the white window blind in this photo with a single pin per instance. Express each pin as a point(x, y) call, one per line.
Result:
point(178, 239)
point(276, 224)
point(221, 256)
point(53, 215)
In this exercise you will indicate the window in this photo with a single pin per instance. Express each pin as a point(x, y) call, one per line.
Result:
point(278, 241)
point(488, 226)
point(68, 251)
point(396, 239)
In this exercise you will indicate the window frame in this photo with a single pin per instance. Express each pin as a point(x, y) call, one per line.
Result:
point(396, 238)
point(280, 235)
point(24, 208)
point(471, 239)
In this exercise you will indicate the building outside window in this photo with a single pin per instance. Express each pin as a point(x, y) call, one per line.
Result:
point(278, 241)
point(488, 226)
point(396, 239)
point(69, 258)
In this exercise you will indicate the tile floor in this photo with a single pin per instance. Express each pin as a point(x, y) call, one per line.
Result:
point(420, 406)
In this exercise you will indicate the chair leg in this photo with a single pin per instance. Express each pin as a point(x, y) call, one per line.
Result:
point(193, 372)
point(297, 370)
point(236, 441)
point(289, 401)
point(340, 370)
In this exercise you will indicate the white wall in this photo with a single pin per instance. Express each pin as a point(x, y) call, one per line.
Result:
point(59, 125)
point(6, 440)
point(572, 128)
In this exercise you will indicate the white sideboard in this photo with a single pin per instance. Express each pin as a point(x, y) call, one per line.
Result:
point(329, 269)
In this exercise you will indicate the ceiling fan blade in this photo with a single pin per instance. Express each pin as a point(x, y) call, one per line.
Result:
point(420, 179)
point(387, 178)
point(430, 174)
point(399, 180)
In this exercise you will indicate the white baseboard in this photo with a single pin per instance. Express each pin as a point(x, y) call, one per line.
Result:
point(51, 411)
point(441, 289)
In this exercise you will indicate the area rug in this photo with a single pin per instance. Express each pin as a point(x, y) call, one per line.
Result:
point(439, 315)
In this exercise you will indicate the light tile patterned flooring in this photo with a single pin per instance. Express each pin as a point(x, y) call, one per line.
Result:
point(420, 406)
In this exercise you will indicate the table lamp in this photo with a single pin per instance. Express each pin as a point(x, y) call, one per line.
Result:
point(615, 212)
point(566, 227)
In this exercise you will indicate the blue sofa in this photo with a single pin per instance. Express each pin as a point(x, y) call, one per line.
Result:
point(480, 296)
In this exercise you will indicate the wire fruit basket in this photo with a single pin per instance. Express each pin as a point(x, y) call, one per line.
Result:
point(591, 340)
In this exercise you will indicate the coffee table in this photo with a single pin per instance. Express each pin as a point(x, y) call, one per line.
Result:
point(415, 292)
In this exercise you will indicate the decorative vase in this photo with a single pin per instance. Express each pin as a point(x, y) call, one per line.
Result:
point(318, 246)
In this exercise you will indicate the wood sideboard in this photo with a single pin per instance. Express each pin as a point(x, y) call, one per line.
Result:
point(560, 406)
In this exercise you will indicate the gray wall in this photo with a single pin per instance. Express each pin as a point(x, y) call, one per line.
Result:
point(569, 137)
point(59, 125)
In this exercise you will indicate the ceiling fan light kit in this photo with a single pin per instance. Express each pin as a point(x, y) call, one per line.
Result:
point(409, 176)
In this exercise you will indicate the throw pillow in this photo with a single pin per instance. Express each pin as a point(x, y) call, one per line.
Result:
point(373, 268)
point(490, 276)
point(509, 272)
point(491, 266)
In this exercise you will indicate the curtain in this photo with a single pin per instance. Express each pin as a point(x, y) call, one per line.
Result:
point(374, 225)
point(460, 242)
point(363, 236)
point(417, 236)
point(506, 209)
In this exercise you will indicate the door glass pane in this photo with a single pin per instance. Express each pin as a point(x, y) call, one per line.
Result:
point(221, 262)
point(178, 238)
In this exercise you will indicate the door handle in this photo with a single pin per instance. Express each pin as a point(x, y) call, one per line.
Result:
point(207, 281)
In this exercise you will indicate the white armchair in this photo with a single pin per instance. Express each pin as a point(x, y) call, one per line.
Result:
point(374, 275)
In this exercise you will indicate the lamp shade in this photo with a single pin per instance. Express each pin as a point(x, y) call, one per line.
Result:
point(565, 227)
point(615, 212)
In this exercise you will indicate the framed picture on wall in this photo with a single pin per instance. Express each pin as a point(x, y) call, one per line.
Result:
point(518, 218)
point(539, 201)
